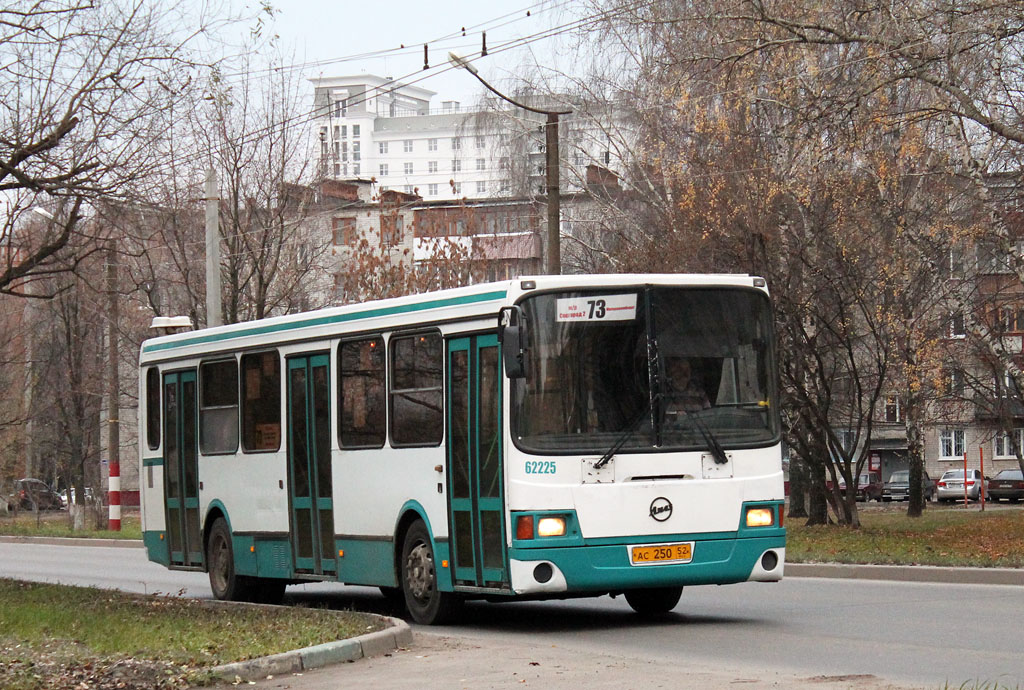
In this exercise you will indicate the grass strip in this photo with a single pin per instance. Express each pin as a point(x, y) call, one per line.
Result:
point(60, 636)
point(58, 524)
point(955, 538)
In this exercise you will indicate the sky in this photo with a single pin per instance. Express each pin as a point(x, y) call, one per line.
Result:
point(322, 31)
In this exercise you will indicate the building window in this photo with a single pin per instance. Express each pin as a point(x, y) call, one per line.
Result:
point(416, 400)
point(951, 443)
point(431, 166)
point(456, 165)
point(456, 187)
point(261, 401)
point(456, 143)
point(153, 408)
point(337, 169)
point(407, 146)
point(344, 131)
point(431, 144)
point(344, 151)
point(361, 396)
point(337, 132)
point(408, 168)
point(480, 142)
point(893, 411)
point(218, 407)
point(1003, 443)
point(408, 189)
point(382, 146)
point(341, 108)
point(355, 168)
point(344, 231)
point(481, 187)
point(953, 382)
point(355, 131)
point(392, 226)
point(383, 169)
point(432, 189)
point(607, 157)
point(356, 152)
point(956, 327)
point(481, 164)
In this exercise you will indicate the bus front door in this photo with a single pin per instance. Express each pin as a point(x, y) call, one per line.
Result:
point(309, 465)
point(475, 476)
point(181, 478)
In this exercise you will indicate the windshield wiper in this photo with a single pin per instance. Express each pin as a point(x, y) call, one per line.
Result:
point(714, 447)
point(621, 440)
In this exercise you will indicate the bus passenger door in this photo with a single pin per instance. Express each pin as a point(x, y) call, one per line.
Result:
point(181, 468)
point(475, 476)
point(309, 465)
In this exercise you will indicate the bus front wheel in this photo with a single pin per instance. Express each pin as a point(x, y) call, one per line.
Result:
point(655, 600)
point(425, 602)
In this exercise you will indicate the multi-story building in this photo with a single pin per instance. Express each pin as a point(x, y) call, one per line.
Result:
point(374, 128)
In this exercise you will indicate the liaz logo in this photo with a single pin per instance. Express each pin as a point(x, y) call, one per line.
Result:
point(661, 509)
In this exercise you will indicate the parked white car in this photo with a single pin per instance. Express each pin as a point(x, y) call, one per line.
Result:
point(951, 485)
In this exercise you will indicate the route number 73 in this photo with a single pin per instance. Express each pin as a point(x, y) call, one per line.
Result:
point(597, 309)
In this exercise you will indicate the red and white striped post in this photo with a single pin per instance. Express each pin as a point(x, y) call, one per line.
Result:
point(114, 494)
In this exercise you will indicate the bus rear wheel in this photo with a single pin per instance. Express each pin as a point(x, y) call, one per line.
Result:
point(655, 600)
point(425, 602)
point(226, 584)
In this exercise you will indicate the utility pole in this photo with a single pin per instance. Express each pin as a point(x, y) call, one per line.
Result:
point(113, 396)
point(553, 263)
point(214, 312)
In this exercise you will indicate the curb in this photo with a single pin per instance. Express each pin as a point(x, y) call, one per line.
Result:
point(73, 541)
point(397, 635)
point(908, 573)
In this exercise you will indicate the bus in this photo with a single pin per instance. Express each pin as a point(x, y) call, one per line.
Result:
point(526, 439)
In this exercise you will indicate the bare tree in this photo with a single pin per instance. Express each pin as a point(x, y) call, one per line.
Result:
point(83, 88)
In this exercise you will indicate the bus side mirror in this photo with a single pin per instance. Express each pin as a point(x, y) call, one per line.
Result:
point(511, 334)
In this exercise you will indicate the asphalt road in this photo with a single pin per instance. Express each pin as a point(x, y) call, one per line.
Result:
point(920, 634)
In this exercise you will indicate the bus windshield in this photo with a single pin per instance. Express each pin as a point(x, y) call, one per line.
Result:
point(646, 369)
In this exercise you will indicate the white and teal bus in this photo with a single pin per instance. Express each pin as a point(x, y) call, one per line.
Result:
point(523, 439)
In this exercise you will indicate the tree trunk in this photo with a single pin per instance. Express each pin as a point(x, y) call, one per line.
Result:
point(798, 483)
point(817, 503)
point(915, 457)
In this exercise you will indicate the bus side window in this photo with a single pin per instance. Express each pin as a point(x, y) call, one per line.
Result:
point(361, 382)
point(261, 401)
point(218, 407)
point(153, 408)
point(416, 401)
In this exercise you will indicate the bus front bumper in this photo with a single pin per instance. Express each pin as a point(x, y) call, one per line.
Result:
point(610, 568)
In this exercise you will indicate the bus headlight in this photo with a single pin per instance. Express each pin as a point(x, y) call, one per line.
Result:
point(760, 517)
point(551, 527)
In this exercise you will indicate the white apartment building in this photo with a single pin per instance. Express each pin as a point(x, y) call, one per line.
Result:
point(371, 127)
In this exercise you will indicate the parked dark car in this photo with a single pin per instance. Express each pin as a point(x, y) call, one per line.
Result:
point(1008, 484)
point(35, 494)
point(869, 486)
point(898, 486)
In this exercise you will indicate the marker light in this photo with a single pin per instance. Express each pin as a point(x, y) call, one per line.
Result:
point(760, 517)
point(524, 527)
point(551, 527)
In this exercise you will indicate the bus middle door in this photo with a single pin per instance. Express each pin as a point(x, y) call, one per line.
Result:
point(309, 465)
point(475, 476)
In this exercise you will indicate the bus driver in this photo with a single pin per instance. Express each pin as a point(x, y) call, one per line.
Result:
point(684, 393)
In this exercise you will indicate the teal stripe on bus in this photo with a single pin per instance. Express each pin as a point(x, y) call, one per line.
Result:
point(325, 320)
point(152, 462)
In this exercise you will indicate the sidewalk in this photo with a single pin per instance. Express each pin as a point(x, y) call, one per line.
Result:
point(446, 662)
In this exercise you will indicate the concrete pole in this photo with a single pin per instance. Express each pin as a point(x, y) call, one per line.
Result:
point(554, 258)
point(214, 311)
point(113, 396)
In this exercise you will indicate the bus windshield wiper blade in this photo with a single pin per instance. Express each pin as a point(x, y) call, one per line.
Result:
point(621, 440)
point(714, 447)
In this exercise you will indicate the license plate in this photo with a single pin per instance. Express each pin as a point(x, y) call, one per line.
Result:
point(660, 554)
point(956, 485)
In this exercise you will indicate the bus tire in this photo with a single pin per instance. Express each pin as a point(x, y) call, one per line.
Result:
point(226, 584)
point(655, 600)
point(425, 602)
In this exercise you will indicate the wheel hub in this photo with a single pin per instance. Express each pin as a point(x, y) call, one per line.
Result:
point(420, 571)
